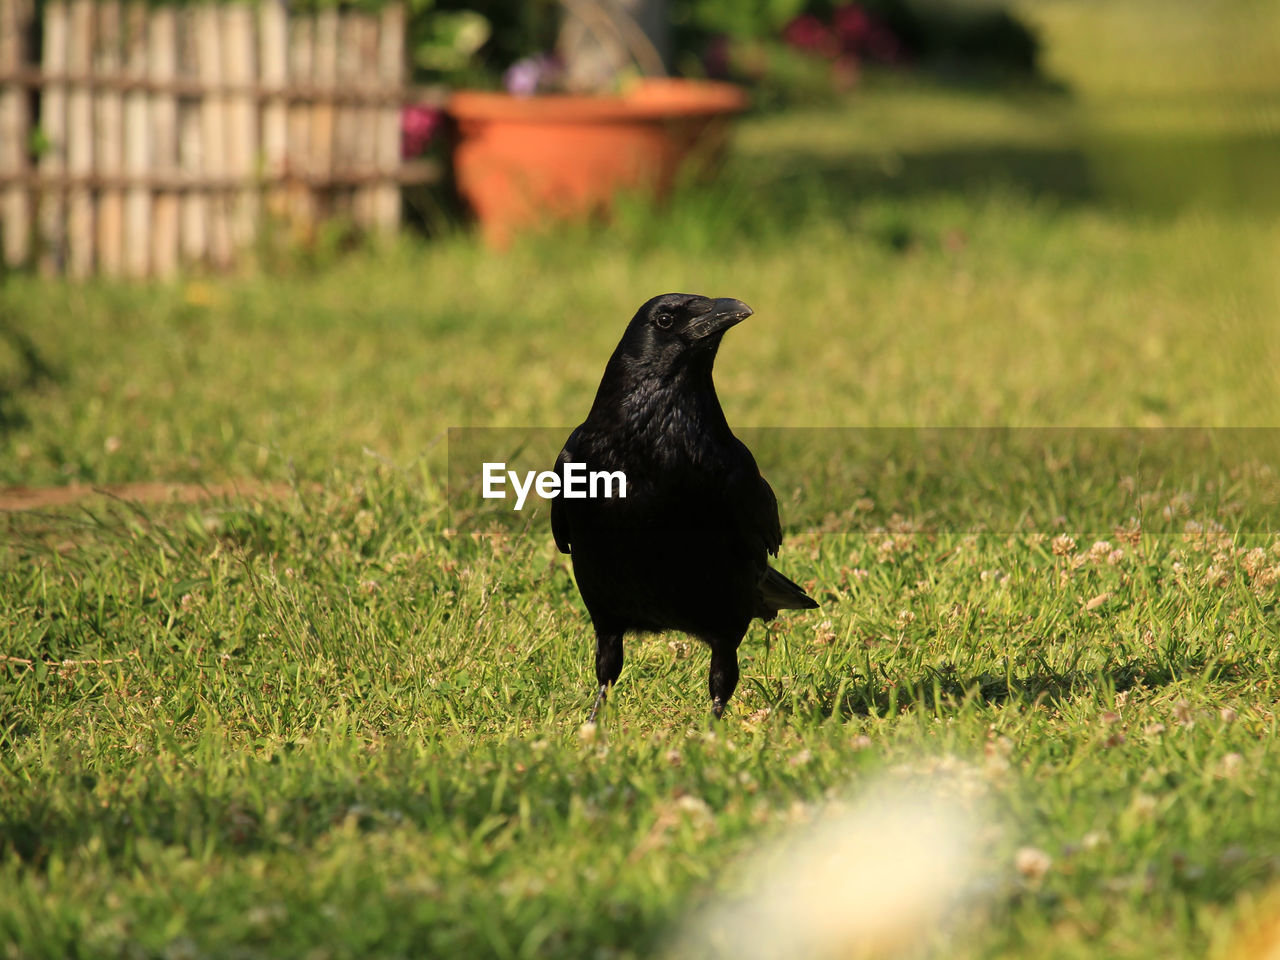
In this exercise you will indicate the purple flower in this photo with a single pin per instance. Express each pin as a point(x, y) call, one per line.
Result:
point(418, 125)
point(532, 75)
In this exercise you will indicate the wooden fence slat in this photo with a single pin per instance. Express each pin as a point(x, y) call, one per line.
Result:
point(213, 131)
point(301, 54)
point(365, 148)
point(15, 133)
point(323, 117)
point(80, 207)
point(324, 73)
point(193, 205)
point(137, 148)
point(386, 194)
point(344, 119)
point(239, 69)
point(162, 44)
point(108, 142)
point(347, 122)
point(273, 73)
point(53, 124)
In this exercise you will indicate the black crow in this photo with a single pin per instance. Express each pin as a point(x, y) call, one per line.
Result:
point(687, 547)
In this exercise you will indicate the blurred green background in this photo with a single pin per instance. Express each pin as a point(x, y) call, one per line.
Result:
point(302, 717)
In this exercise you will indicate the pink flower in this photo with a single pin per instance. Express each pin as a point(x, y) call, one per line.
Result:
point(844, 73)
point(716, 58)
point(806, 32)
point(852, 25)
point(883, 45)
point(418, 126)
point(861, 35)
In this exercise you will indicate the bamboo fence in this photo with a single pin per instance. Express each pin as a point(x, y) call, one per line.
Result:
point(143, 138)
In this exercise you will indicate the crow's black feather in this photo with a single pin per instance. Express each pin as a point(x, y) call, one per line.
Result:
point(687, 548)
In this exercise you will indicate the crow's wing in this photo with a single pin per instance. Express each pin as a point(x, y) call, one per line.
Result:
point(559, 521)
point(752, 502)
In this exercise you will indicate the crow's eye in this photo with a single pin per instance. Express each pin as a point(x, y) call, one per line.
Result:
point(664, 320)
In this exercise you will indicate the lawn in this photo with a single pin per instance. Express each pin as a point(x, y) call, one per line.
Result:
point(307, 717)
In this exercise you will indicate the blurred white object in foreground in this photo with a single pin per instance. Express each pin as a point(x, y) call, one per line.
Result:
point(868, 881)
point(1257, 934)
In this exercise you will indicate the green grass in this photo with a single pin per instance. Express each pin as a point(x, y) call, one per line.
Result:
point(313, 723)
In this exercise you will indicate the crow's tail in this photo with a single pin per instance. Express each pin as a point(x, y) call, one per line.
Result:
point(779, 593)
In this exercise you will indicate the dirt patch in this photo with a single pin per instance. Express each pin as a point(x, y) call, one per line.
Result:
point(42, 498)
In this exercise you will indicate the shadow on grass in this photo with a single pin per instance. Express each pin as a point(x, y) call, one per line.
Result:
point(798, 185)
point(22, 370)
point(1156, 175)
point(944, 690)
point(1075, 157)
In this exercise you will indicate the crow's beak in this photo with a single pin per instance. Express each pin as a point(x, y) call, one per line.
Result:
point(724, 313)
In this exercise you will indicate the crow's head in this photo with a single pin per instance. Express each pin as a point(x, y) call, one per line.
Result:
point(679, 327)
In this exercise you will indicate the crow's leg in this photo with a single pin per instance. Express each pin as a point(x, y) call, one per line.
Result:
point(724, 675)
point(608, 664)
point(600, 698)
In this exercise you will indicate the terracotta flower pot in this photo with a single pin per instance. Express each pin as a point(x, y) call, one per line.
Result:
point(523, 160)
